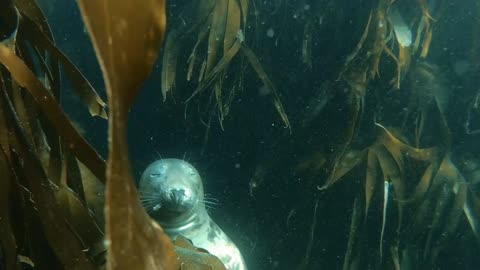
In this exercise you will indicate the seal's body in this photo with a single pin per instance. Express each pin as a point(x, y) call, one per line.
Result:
point(172, 192)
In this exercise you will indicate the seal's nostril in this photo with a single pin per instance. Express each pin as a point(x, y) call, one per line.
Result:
point(177, 195)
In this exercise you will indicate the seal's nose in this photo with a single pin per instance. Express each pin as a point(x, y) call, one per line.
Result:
point(177, 195)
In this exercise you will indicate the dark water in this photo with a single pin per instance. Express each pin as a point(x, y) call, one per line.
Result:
point(272, 226)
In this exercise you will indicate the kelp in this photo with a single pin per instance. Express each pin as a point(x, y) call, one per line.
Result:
point(473, 112)
point(363, 64)
point(56, 229)
point(169, 64)
point(412, 197)
point(44, 199)
point(147, 246)
point(428, 98)
point(7, 236)
point(50, 171)
point(375, 40)
point(192, 258)
point(404, 174)
point(436, 216)
point(75, 142)
point(123, 45)
point(221, 25)
point(96, 106)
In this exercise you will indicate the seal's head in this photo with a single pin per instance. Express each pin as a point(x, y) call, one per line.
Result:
point(171, 190)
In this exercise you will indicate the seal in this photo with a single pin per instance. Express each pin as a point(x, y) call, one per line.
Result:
point(171, 190)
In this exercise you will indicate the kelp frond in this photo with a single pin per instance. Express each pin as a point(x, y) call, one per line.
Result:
point(41, 154)
point(432, 217)
point(147, 246)
point(220, 29)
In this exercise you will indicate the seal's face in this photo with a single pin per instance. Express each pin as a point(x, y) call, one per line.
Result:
point(171, 189)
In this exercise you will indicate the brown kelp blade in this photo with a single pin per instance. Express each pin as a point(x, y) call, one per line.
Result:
point(4, 131)
point(193, 55)
point(59, 234)
point(356, 112)
point(428, 28)
point(75, 209)
point(217, 33)
point(214, 74)
point(127, 36)
point(82, 87)
point(371, 178)
point(359, 46)
point(47, 103)
point(81, 221)
point(126, 42)
point(433, 155)
point(353, 238)
point(232, 24)
point(31, 9)
point(7, 237)
point(35, 121)
point(390, 169)
point(472, 212)
point(94, 191)
point(169, 65)
point(471, 205)
point(244, 7)
point(252, 58)
point(192, 258)
point(349, 160)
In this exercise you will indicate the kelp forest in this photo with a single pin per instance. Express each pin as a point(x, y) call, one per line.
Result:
point(345, 133)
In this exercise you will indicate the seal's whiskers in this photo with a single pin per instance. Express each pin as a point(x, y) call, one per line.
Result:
point(150, 207)
point(209, 198)
point(146, 200)
point(159, 155)
point(149, 202)
point(143, 193)
point(208, 208)
point(211, 201)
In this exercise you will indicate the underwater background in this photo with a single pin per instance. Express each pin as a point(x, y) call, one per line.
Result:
point(276, 224)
